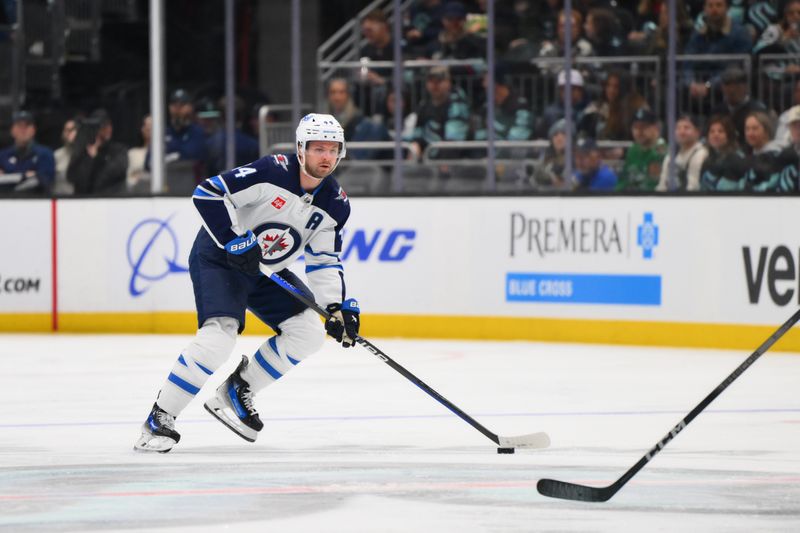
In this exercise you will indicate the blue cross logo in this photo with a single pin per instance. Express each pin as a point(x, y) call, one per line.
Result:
point(647, 236)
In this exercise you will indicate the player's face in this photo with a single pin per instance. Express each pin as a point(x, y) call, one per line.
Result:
point(321, 157)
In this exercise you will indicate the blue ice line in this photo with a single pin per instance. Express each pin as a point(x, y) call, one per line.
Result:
point(410, 417)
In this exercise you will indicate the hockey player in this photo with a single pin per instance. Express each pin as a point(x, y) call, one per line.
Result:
point(265, 213)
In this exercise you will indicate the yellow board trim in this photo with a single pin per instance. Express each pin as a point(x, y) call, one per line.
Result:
point(682, 334)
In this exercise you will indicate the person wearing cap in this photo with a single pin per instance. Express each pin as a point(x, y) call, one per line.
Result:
point(736, 101)
point(98, 166)
point(26, 166)
point(557, 110)
point(591, 174)
point(443, 114)
point(185, 140)
point(689, 159)
point(454, 41)
point(642, 167)
point(715, 33)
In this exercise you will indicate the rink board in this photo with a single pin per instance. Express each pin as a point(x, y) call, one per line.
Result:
point(668, 271)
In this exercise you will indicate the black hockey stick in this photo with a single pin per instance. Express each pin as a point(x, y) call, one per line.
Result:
point(531, 440)
point(572, 491)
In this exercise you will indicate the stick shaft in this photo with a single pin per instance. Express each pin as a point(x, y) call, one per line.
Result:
point(380, 354)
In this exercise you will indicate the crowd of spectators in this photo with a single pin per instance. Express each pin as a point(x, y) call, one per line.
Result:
point(610, 109)
point(728, 139)
point(90, 162)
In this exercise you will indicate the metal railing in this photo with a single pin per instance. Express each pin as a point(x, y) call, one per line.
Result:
point(778, 75)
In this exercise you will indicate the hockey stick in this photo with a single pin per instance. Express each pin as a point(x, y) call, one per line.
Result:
point(573, 491)
point(531, 440)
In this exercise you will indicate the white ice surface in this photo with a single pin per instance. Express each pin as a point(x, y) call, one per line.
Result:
point(350, 445)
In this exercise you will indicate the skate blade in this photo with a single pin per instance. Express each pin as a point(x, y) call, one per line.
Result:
point(222, 412)
point(153, 443)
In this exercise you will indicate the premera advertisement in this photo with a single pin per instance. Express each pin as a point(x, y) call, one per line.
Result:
point(599, 269)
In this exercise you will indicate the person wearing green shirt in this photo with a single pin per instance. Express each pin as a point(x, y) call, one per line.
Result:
point(642, 168)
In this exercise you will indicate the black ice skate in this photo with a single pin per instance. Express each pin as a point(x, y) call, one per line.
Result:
point(158, 432)
point(233, 405)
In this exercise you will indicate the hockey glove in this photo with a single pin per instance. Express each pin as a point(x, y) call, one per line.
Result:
point(343, 323)
point(244, 253)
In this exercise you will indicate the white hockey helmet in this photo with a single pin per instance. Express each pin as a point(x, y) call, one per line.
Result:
point(319, 127)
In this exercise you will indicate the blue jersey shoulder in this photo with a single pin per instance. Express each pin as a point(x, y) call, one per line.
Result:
point(279, 169)
point(332, 199)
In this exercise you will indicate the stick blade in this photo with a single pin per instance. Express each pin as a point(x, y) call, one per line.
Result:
point(571, 491)
point(531, 440)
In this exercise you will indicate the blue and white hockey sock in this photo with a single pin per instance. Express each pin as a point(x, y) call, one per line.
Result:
point(210, 348)
point(301, 336)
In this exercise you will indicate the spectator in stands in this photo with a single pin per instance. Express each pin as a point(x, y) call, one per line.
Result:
point(736, 100)
point(185, 140)
point(443, 115)
point(424, 26)
point(716, 33)
point(642, 167)
point(782, 135)
point(725, 167)
point(556, 110)
point(653, 39)
point(591, 174)
point(513, 120)
point(98, 165)
point(755, 15)
point(536, 22)
point(770, 166)
point(386, 116)
point(609, 117)
point(245, 146)
point(62, 156)
point(137, 179)
point(689, 159)
point(504, 22)
point(794, 128)
point(357, 127)
point(782, 38)
point(580, 46)
point(454, 41)
point(549, 170)
point(26, 166)
point(604, 32)
point(379, 47)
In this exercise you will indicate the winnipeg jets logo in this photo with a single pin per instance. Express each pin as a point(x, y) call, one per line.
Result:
point(278, 202)
point(274, 243)
point(282, 161)
point(278, 242)
point(342, 195)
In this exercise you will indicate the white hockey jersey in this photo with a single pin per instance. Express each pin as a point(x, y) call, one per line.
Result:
point(265, 196)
